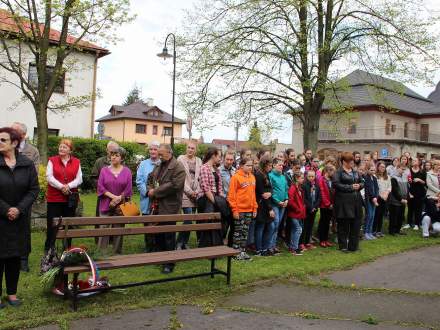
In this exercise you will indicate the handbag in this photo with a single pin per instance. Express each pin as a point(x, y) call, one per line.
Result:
point(72, 200)
point(129, 209)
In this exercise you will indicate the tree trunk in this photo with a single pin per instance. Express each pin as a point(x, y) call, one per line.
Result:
point(311, 130)
point(42, 128)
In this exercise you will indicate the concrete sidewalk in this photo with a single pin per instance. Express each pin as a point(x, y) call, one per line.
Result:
point(417, 271)
point(278, 306)
point(191, 318)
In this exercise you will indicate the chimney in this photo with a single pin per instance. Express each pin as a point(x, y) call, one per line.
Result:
point(150, 102)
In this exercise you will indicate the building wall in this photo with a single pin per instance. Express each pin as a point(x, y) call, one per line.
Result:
point(78, 82)
point(370, 125)
point(125, 130)
point(394, 149)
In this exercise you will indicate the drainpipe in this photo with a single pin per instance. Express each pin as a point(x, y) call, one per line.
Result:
point(123, 131)
point(95, 70)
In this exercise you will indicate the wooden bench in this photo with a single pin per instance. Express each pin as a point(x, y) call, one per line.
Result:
point(205, 222)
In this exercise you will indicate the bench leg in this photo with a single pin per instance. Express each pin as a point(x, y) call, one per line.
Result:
point(66, 286)
point(212, 267)
point(228, 271)
point(75, 292)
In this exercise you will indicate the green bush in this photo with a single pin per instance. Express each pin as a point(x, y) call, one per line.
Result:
point(89, 150)
point(180, 149)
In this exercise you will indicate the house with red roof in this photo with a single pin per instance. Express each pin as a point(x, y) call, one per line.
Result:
point(78, 81)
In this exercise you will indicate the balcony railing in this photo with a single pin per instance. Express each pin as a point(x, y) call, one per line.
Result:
point(379, 134)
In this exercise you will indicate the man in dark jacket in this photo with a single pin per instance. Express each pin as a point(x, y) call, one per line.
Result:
point(166, 189)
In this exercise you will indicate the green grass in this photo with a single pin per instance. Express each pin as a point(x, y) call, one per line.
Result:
point(42, 308)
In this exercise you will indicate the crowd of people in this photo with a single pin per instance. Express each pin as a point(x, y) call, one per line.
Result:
point(265, 202)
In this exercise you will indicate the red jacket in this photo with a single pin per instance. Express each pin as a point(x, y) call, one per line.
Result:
point(296, 209)
point(326, 193)
point(63, 174)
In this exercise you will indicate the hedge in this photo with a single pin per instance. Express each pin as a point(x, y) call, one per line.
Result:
point(89, 150)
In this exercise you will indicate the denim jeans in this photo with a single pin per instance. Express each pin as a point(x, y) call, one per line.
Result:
point(251, 234)
point(259, 235)
point(272, 232)
point(369, 218)
point(295, 233)
point(183, 237)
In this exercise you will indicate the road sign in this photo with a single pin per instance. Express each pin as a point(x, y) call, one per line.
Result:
point(384, 152)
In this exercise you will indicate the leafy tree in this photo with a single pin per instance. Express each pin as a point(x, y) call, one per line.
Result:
point(255, 137)
point(33, 40)
point(135, 95)
point(287, 54)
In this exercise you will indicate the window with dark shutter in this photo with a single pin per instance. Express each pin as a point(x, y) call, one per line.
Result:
point(167, 131)
point(141, 129)
point(352, 125)
point(387, 126)
point(33, 78)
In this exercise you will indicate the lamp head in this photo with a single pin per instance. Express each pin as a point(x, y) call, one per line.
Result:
point(165, 54)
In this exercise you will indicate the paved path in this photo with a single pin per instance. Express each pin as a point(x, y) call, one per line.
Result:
point(347, 304)
point(417, 271)
point(191, 318)
point(278, 306)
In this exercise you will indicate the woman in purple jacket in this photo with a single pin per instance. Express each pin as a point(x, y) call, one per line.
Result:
point(114, 187)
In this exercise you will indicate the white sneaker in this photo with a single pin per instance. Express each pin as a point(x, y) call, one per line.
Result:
point(406, 227)
point(416, 227)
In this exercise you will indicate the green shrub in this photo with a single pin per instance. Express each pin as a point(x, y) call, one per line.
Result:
point(89, 150)
point(179, 149)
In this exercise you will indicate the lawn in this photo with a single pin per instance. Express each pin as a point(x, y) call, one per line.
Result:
point(42, 308)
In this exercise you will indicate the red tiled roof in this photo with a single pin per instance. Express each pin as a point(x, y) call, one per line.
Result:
point(8, 24)
point(229, 143)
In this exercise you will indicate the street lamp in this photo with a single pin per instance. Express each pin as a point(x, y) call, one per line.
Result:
point(166, 55)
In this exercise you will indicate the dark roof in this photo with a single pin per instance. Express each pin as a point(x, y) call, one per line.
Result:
point(361, 88)
point(435, 95)
point(139, 111)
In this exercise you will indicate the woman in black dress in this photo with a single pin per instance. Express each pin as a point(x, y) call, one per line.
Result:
point(348, 204)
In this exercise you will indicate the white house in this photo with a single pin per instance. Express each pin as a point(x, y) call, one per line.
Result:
point(79, 81)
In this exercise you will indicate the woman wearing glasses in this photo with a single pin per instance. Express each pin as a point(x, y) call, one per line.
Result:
point(19, 182)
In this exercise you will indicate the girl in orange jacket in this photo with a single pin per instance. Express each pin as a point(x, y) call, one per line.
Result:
point(243, 203)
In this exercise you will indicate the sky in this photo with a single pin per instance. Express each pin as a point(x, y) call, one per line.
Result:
point(133, 61)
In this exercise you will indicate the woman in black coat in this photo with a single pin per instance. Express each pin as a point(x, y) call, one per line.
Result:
point(19, 189)
point(348, 204)
point(265, 214)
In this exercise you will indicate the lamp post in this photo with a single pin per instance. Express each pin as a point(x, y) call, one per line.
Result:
point(166, 55)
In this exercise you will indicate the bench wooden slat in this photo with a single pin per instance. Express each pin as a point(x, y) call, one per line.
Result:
point(140, 219)
point(157, 258)
point(92, 232)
